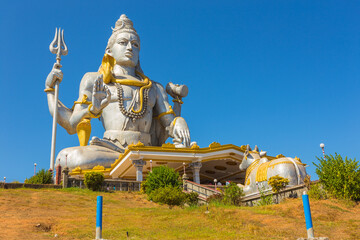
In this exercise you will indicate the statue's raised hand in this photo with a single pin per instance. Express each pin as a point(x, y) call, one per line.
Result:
point(100, 96)
point(56, 75)
point(181, 133)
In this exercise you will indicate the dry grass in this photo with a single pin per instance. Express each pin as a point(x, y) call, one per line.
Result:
point(40, 214)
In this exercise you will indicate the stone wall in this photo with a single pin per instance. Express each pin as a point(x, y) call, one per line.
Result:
point(109, 185)
point(26, 185)
point(290, 192)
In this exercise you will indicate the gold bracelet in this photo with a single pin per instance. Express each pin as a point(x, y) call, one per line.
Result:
point(174, 121)
point(171, 111)
point(49, 89)
point(93, 115)
point(178, 100)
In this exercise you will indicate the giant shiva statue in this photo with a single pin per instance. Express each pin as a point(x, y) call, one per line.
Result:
point(131, 107)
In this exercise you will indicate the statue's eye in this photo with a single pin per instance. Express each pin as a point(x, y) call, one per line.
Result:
point(135, 44)
point(122, 42)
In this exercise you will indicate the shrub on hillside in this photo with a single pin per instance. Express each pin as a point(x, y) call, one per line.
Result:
point(264, 198)
point(41, 177)
point(161, 177)
point(192, 198)
point(232, 194)
point(94, 180)
point(278, 183)
point(340, 177)
point(317, 192)
point(170, 195)
point(215, 198)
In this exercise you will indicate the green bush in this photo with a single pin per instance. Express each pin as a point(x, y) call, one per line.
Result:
point(161, 177)
point(232, 194)
point(340, 177)
point(94, 180)
point(215, 198)
point(170, 195)
point(317, 192)
point(41, 177)
point(278, 183)
point(264, 199)
point(192, 198)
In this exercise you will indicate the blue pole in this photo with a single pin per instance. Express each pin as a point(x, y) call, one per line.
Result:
point(308, 220)
point(99, 208)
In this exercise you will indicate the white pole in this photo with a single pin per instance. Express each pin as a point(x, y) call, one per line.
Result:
point(53, 138)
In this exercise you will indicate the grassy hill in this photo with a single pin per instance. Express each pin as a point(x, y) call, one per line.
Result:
point(71, 214)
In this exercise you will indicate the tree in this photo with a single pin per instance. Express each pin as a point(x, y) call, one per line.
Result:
point(340, 177)
point(278, 183)
point(41, 177)
point(94, 180)
point(233, 194)
point(161, 177)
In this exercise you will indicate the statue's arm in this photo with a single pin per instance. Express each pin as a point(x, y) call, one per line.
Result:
point(70, 118)
point(80, 110)
point(176, 126)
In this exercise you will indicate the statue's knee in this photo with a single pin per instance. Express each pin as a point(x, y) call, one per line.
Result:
point(66, 156)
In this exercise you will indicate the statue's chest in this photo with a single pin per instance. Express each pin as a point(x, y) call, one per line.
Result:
point(131, 94)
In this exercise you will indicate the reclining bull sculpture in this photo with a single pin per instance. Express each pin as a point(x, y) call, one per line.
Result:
point(259, 169)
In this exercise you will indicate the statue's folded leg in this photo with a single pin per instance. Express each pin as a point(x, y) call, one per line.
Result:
point(86, 157)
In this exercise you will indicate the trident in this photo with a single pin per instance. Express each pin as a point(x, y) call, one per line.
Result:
point(58, 47)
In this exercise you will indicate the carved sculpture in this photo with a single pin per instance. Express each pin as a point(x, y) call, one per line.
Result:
point(259, 169)
point(131, 106)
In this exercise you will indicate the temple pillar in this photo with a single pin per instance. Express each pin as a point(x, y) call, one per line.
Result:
point(58, 175)
point(196, 171)
point(139, 169)
point(65, 177)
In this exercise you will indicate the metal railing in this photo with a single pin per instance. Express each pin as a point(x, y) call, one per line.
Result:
point(203, 191)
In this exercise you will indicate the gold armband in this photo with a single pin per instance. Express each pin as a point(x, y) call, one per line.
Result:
point(49, 89)
point(83, 101)
point(93, 115)
point(178, 100)
point(171, 111)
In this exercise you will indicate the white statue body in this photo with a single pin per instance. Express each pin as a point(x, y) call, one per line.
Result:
point(118, 103)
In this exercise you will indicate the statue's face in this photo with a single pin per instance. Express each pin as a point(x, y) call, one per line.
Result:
point(126, 49)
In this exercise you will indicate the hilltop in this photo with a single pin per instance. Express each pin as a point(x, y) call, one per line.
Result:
point(71, 214)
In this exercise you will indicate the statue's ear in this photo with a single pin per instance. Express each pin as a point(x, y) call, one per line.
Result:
point(108, 51)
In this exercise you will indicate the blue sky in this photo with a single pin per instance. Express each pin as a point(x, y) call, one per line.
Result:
point(283, 75)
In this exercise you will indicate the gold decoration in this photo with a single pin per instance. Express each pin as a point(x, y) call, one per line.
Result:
point(168, 145)
point(243, 148)
point(139, 144)
point(83, 101)
point(177, 100)
point(171, 111)
point(280, 156)
point(214, 145)
point(116, 162)
point(108, 64)
point(261, 173)
point(77, 170)
point(195, 147)
point(174, 121)
point(248, 182)
point(252, 166)
point(49, 89)
point(99, 168)
point(83, 130)
point(297, 159)
point(93, 115)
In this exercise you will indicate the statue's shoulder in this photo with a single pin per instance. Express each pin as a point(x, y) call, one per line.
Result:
point(88, 80)
point(157, 85)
